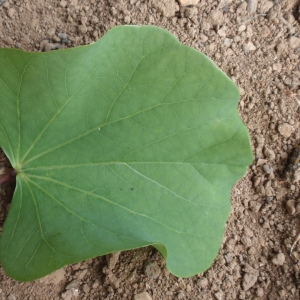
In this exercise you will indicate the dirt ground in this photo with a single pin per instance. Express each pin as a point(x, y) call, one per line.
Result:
point(258, 45)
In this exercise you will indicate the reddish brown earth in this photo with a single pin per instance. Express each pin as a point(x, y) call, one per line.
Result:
point(258, 46)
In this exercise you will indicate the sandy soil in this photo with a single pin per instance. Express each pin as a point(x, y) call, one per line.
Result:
point(258, 46)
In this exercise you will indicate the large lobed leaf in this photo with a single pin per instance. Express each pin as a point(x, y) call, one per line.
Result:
point(132, 141)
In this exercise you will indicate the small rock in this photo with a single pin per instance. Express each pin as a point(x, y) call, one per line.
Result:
point(82, 29)
point(242, 28)
point(222, 32)
point(151, 269)
point(242, 9)
point(127, 19)
point(285, 130)
point(113, 259)
point(203, 37)
point(266, 6)
point(294, 42)
point(261, 162)
point(278, 259)
point(249, 281)
point(63, 37)
point(44, 45)
point(227, 42)
point(219, 295)
point(296, 175)
point(248, 232)
point(249, 47)
point(8, 40)
point(190, 12)
point(280, 47)
point(269, 154)
point(2, 1)
point(265, 31)
point(291, 206)
point(142, 296)
point(256, 181)
point(166, 7)
point(267, 169)
point(277, 67)
point(70, 294)
point(215, 17)
point(51, 32)
point(252, 250)
point(260, 292)
point(55, 39)
point(74, 284)
point(188, 2)
point(63, 3)
point(252, 5)
point(25, 39)
point(11, 12)
point(203, 282)
point(81, 273)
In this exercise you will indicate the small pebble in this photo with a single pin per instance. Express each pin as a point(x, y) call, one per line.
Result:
point(267, 169)
point(55, 39)
point(113, 259)
point(63, 3)
point(215, 17)
point(285, 130)
point(227, 42)
point(219, 295)
point(142, 296)
point(296, 175)
point(63, 37)
point(294, 42)
point(151, 269)
point(278, 259)
point(249, 47)
point(291, 206)
point(266, 6)
point(252, 5)
point(82, 29)
point(74, 284)
point(248, 281)
point(202, 282)
point(242, 28)
point(261, 162)
point(188, 2)
point(269, 153)
point(166, 7)
point(11, 12)
point(277, 67)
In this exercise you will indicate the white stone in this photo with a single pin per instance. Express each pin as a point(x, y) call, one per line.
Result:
point(285, 130)
point(249, 47)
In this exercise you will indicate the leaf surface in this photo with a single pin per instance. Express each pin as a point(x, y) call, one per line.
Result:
point(134, 140)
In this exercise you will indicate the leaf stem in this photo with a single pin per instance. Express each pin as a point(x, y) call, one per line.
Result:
point(7, 175)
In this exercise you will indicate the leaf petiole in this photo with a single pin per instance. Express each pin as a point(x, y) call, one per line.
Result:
point(6, 175)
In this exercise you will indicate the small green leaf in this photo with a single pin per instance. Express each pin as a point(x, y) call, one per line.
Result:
point(134, 140)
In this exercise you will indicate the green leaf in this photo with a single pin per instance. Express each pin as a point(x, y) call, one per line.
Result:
point(134, 140)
